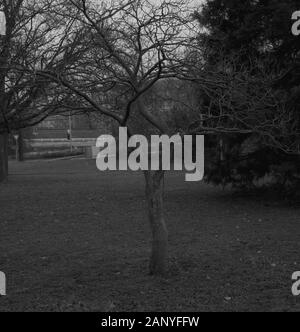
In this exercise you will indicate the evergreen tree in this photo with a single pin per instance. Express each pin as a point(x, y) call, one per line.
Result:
point(249, 30)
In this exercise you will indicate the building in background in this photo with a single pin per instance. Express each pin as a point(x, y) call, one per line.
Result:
point(60, 136)
point(57, 127)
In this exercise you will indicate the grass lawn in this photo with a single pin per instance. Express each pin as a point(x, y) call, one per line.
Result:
point(75, 239)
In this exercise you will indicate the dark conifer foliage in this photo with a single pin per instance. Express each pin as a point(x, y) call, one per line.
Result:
point(254, 30)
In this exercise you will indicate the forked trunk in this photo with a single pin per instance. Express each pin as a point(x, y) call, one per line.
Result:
point(154, 193)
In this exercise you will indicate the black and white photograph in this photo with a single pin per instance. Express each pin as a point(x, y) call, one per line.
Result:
point(149, 159)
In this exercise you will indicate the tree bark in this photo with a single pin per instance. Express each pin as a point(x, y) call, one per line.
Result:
point(3, 156)
point(154, 193)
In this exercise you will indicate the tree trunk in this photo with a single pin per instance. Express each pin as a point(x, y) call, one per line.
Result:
point(20, 147)
point(154, 193)
point(3, 156)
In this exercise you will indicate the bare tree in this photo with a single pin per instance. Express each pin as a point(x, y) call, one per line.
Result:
point(35, 41)
point(242, 99)
point(133, 45)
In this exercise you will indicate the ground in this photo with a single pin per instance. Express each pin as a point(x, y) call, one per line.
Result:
point(75, 239)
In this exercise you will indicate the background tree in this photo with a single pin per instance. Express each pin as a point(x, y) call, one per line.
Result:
point(35, 41)
point(249, 60)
